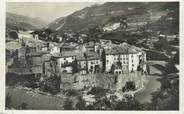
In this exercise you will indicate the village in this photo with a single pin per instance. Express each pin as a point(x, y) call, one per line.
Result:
point(38, 58)
point(82, 66)
point(125, 62)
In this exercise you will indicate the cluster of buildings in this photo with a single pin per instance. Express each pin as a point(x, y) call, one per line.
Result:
point(41, 57)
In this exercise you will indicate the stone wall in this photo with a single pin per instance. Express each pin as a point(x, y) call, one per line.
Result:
point(106, 81)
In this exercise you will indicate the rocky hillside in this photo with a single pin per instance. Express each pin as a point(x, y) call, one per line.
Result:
point(168, 24)
point(101, 15)
point(20, 22)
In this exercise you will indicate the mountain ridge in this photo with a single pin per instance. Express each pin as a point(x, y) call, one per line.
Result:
point(98, 15)
point(21, 22)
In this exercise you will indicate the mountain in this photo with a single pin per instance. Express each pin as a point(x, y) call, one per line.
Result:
point(168, 24)
point(20, 22)
point(55, 23)
point(111, 12)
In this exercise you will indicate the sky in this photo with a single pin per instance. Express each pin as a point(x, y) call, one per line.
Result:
point(46, 11)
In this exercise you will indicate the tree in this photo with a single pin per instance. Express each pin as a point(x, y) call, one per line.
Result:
point(68, 105)
point(13, 34)
point(112, 68)
point(123, 23)
point(75, 66)
point(86, 58)
point(22, 106)
point(51, 84)
point(48, 31)
point(176, 58)
point(80, 103)
point(132, 39)
point(103, 58)
point(94, 33)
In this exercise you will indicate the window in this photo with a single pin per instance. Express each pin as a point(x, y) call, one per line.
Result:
point(107, 61)
point(91, 62)
point(73, 57)
point(132, 60)
point(91, 67)
point(132, 64)
point(132, 55)
point(64, 58)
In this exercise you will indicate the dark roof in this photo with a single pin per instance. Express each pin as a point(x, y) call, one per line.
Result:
point(37, 53)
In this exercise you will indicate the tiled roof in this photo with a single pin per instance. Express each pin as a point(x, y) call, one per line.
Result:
point(89, 44)
point(90, 56)
point(66, 54)
point(121, 49)
point(67, 45)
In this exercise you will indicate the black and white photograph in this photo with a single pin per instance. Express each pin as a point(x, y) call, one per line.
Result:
point(112, 56)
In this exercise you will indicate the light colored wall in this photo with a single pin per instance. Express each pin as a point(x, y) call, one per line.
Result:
point(25, 35)
point(68, 69)
point(95, 62)
point(82, 64)
point(69, 59)
point(109, 62)
point(55, 50)
point(112, 59)
point(129, 61)
point(136, 61)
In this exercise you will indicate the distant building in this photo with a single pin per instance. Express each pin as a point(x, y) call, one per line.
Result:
point(171, 37)
point(90, 46)
point(54, 49)
point(25, 34)
point(66, 47)
point(35, 35)
point(59, 38)
point(157, 15)
point(32, 64)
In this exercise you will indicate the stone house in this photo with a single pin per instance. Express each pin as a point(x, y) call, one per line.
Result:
point(89, 61)
point(124, 57)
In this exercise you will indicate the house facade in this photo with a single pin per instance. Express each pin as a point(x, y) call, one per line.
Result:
point(89, 61)
point(64, 60)
point(123, 59)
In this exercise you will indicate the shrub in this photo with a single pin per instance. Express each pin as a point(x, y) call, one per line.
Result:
point(8, 101)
